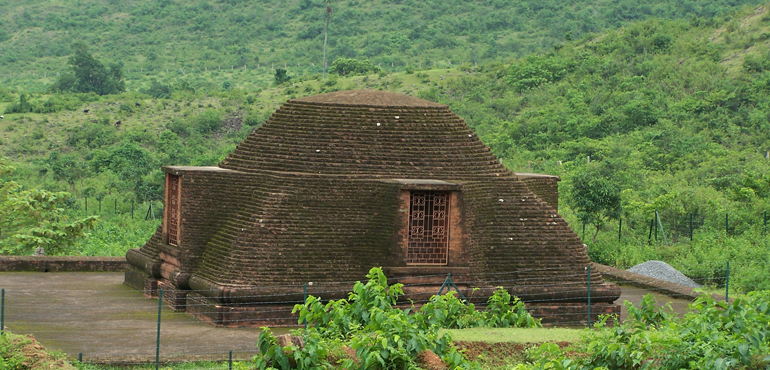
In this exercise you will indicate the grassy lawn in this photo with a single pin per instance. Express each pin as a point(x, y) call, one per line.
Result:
point(517, 335)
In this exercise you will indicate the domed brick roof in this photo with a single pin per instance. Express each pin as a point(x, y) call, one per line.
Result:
point(369, 134)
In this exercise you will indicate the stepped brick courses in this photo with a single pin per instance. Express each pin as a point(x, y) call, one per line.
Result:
point(320, 193)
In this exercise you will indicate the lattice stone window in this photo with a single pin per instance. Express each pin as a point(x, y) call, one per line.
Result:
point(172, 208)
point(428, 228)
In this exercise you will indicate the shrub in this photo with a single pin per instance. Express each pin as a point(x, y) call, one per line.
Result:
point(382, 335)
point(353, 67)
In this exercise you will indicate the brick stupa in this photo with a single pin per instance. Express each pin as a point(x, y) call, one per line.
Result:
point(334, 184)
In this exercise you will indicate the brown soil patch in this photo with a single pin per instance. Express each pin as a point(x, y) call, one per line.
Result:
point(347, 354)
point(430, 361)
point(500, 353)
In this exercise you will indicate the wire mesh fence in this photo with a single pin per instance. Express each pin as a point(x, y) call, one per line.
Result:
point(97, 319)
point(672, 227)
point(115, 205)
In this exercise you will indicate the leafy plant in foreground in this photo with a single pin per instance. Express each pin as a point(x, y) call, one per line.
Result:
point(385, 337)
point(35, 218)
point(714, 335)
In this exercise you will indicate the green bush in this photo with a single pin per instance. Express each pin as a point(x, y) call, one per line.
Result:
point(207, 122)
point(23, 106)
point(383, 336)
point(713, 335)
point(353, 67)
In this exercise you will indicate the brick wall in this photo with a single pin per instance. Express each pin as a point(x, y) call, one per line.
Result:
point(62, 264)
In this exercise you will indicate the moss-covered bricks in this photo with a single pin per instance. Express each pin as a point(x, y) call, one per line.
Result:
point(320, 193)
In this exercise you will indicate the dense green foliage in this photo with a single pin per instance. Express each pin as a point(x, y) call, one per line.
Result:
point(89, 75)
point(353, 67)
point(714, 335)
point(385, 337)
point(151, 36)
point(31, 219)
point(674, 117)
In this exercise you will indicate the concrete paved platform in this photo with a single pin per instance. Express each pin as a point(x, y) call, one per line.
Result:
point(96, 315)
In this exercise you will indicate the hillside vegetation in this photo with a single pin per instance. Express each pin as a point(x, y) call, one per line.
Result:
point(670, 116)
point(666, 115)
point(163, 39)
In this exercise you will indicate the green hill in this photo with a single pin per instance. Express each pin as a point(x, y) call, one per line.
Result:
point(666, 115)
point(161, 39)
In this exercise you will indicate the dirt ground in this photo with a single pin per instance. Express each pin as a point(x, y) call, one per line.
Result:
point(96, 315)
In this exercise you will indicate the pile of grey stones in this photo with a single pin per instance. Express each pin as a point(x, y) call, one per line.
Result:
point(663, 271)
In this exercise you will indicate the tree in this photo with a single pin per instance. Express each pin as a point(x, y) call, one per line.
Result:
point(35, 218)
point(344, 67)
point(23, 107)
point(281, 77)
point(595, 194)
point(90, 75)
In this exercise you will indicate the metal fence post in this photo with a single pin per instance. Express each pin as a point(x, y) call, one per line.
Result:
point(2, 311)
point(727, 283)
point(620, 227)
point(86, 206)
point(304, 300)
point(691, 227)
point(662, 232)
point(765, 233)
point(157, 339)
point(727, 224)
point(230, 361)
point(588, 269)
point(649, 236)
point(80, 357)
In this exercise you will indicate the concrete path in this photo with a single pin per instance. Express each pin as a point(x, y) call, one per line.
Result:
point(96, 315)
